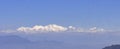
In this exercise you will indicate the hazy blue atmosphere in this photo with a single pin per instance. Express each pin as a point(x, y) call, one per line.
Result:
point(59, 24)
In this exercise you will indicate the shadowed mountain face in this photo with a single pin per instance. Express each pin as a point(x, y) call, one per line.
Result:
point(12, 40)
point(113, 47)
point(16, 42)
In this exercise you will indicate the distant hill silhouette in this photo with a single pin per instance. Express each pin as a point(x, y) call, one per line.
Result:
point(12, 39)
point(112, 47)
point(17, 42)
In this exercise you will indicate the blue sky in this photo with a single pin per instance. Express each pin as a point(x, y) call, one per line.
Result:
point(82, 13)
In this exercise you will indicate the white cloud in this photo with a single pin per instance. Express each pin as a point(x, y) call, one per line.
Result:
point(53, 28)
point(74, 29)
point(95, 29)
point(57, 28)
point(8, 31)
point(40, 28)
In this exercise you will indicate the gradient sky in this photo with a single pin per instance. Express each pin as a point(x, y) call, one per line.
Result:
point(82, 13)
